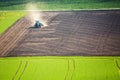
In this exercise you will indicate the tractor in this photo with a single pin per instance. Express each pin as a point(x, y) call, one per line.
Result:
point(38, 24)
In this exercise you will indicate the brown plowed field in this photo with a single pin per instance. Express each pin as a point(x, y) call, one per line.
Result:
point(67, 33)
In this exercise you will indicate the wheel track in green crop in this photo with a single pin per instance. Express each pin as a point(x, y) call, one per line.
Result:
point(26, 64)
point(117, 64)
point(20, 71)
point(73, 69)
point(70, 69)
point(20, 65)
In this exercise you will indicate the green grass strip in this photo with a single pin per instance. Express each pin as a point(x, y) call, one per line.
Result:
point(8, 18)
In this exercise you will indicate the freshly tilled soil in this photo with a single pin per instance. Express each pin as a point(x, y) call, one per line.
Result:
point(70, 33)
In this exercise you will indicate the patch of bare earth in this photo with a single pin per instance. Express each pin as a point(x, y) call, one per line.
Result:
point(67, 33)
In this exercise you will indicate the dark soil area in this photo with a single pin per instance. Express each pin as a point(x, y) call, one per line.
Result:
point(78, 33)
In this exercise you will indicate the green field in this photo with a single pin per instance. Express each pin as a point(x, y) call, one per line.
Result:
point(8, 18)
point(60, 4)
point(60, 68)
point(56, 68)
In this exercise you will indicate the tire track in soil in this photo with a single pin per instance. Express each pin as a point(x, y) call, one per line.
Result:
point(104, 37)
point(18, 43)
point(10, 31)
point(13, 35)
point(109, 32)
point(29, 30)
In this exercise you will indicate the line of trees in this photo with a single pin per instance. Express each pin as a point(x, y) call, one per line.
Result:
point(16, 2)
point(59, 0)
